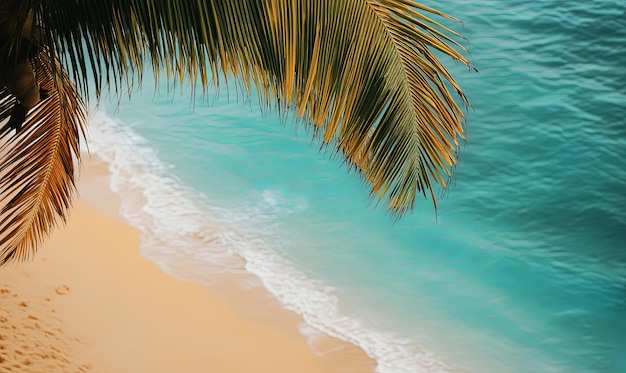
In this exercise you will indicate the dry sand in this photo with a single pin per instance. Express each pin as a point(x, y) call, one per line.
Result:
point(89, 302)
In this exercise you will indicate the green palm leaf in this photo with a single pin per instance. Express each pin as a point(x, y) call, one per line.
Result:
point(361, 74)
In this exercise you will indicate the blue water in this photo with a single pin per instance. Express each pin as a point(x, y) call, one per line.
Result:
point(522, 269)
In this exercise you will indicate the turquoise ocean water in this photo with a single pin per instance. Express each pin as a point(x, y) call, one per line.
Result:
point(523, 269)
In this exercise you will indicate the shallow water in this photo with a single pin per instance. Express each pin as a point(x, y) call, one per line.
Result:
point(523, 269)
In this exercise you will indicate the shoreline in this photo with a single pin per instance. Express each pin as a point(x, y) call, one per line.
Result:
point(89, 302)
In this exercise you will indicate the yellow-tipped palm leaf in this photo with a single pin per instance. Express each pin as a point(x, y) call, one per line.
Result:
point(361, 73)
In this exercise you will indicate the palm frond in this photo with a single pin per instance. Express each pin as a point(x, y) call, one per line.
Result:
point(37, 165)
point(363, 73)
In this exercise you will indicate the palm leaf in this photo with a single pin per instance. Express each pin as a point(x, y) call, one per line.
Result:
point(361, 74)
point(37, 169)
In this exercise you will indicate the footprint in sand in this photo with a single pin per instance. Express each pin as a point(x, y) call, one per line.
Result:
point(62, 290)
point(7, 292)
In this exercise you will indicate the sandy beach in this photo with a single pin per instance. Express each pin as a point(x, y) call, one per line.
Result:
point(89, 302)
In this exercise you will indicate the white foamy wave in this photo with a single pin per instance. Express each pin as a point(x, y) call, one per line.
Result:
point(176, 223)
point(155, 202)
